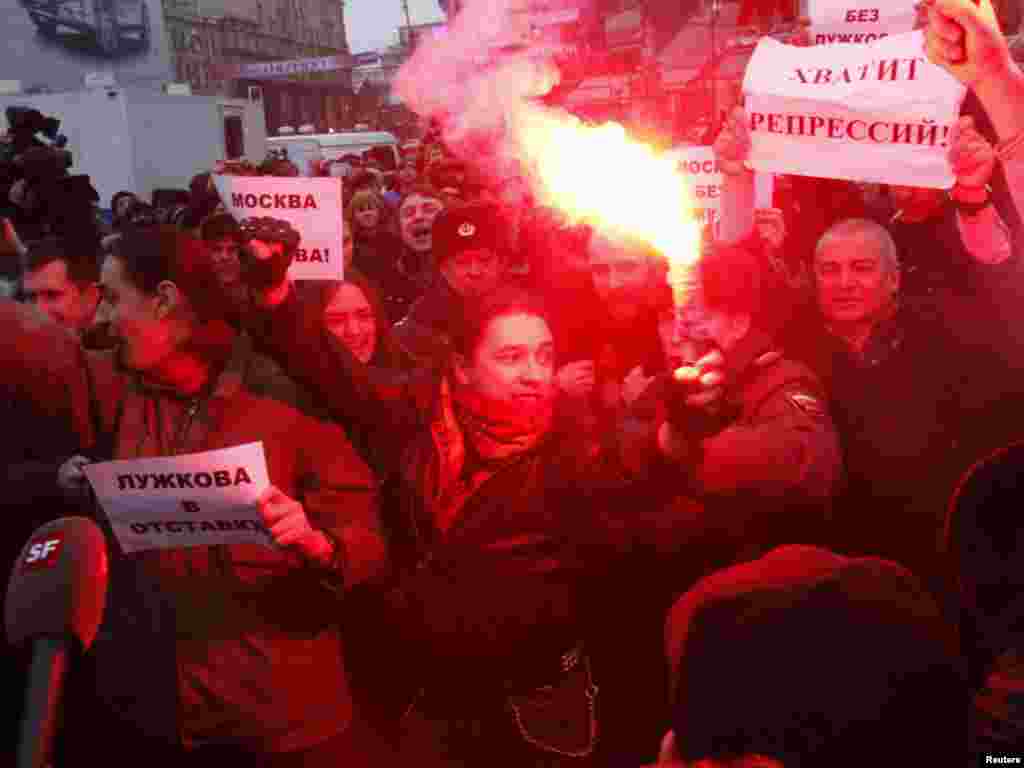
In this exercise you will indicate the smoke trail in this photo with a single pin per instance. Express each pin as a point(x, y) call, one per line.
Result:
point(487, 105)
point(474, 89)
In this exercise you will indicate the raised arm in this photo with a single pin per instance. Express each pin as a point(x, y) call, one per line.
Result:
point(383, 404)
point(732, 147)
point(964, 38)
point(342, 507)
point(984, 233)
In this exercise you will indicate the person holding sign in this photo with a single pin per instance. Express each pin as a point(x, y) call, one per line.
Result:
point(976, 241)
point(964, 38)
point(250, 666)
point(873, 347)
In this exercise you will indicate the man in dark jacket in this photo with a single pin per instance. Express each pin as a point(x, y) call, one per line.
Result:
point(914, 403)
point(915, 386)
point(760, 454)
point(404, 275)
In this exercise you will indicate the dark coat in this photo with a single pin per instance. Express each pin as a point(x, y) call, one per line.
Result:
point(765, 480)
point(426, 331)
point(912, 413)
point(400, 276)
point(380, 257)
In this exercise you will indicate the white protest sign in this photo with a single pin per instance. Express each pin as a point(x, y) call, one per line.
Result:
point(878, 113)
point(311, 206)
point(197, 499)
point(705, 179)
point(859, 21)
point(764, 190)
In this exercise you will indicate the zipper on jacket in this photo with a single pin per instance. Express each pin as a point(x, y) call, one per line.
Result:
point(218, 555)
point(186, 425)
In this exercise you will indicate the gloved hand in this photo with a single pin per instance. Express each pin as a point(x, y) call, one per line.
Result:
point(268, 248)
point(693, 400)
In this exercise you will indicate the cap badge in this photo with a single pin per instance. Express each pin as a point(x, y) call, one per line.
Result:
point(467, 229)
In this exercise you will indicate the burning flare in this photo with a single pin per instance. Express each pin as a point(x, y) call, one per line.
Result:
point(622, 187)
point(484, 92)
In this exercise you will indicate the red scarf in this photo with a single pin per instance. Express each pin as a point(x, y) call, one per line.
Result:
point(496, 431)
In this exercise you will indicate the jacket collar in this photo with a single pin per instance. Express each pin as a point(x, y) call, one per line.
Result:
point(229, 353)
point(886, 337)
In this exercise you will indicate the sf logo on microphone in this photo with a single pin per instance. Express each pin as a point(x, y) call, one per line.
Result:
point(43, 551)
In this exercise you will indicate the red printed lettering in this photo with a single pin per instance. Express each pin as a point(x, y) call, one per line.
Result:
point(901, 133)
point(888, 69)
point(849, 130)
point(871, 131)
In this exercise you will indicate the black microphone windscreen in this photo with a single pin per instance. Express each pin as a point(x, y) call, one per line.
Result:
point(58, 584)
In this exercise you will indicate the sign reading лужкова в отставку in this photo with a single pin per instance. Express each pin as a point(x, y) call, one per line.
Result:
point(197, 499)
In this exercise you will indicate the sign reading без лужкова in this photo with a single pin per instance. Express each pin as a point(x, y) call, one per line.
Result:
point(859, 21)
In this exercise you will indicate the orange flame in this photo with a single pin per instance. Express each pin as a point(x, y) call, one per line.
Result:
point(622, 187)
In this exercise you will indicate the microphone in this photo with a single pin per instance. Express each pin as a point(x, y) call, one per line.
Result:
point(55, 601)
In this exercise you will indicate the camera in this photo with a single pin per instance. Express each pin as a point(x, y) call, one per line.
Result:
point(27, 127)
point(39, 195)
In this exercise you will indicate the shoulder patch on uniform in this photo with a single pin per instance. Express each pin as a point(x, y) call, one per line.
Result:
point(809, 404)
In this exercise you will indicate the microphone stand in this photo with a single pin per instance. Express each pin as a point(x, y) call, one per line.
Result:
point(42, 702)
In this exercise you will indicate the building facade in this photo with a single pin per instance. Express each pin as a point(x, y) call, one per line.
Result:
point(212, 40)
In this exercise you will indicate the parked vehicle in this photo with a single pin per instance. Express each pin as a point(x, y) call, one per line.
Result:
point(332, 146)
point(143, 140)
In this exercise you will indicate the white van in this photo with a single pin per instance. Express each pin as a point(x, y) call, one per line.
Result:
point(332, 146)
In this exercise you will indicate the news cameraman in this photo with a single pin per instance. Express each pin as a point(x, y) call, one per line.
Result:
point(42, 197)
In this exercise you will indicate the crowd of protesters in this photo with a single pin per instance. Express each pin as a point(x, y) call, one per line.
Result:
point(525, 512)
